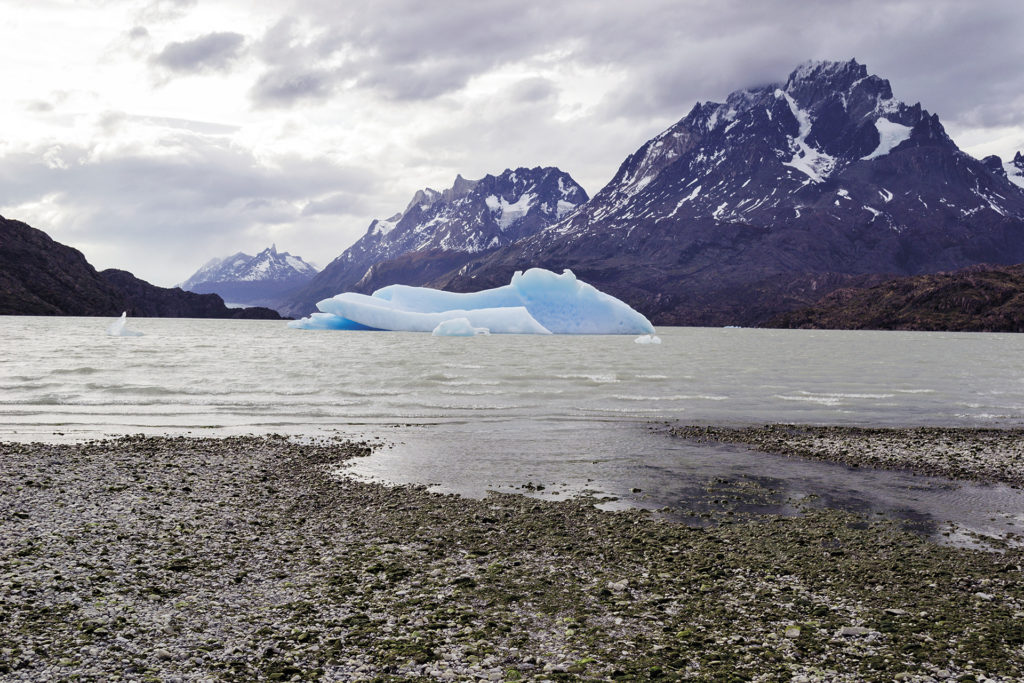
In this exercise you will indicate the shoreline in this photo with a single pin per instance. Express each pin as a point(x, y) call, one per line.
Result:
point(172, 558)
point(978, 454)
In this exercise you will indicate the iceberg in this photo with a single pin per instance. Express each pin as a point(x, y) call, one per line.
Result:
point(118, 329)
point(458, 327)
point(537, 301)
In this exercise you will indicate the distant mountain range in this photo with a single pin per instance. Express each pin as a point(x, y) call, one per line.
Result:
point(741, 211)
point(768, 201)
point(39, 276)
point(440, 231)
point(976, 299)
point(251, 280)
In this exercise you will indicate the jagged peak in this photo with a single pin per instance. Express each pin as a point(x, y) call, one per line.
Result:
point(850, 71)
point(424, 198)
point(1018, 159)
point(459, 189)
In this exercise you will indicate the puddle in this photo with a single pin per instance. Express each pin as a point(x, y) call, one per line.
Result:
point(635, 465)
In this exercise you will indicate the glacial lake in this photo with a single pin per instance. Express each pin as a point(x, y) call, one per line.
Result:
point(571, 413)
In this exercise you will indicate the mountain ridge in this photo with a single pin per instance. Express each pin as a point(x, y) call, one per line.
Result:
point(440, 230)
point(822, 177)
point(244, 279)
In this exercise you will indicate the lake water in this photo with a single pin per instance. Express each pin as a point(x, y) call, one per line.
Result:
point(497, 412)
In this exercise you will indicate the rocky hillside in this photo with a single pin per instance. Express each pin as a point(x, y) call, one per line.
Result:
point(39, 276)
point(769, 200)
point(439, 231)
point(251, 280)
point(976, 299)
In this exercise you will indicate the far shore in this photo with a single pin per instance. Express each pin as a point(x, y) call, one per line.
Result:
point(160, 558)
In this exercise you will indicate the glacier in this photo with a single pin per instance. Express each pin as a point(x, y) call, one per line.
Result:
point(536, 301)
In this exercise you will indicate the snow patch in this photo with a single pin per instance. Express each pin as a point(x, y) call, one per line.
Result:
point(890, 135)
point(813, 163)
point(1014, 174)
point(510, 212)
point(564, 207)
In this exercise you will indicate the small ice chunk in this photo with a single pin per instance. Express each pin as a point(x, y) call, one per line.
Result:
point(326, 321)
point(458, 327)
point(118, 329)
point(647, 339)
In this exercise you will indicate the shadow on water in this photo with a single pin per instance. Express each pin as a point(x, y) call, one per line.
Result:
point(634, 465)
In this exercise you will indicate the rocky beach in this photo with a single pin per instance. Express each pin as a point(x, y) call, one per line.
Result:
point(163, 559)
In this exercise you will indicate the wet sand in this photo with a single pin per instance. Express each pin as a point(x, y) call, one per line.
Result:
point(168, 559)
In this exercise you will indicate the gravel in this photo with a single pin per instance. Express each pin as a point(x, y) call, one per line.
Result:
point(149, 558)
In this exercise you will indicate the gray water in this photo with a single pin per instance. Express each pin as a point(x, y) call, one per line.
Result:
point(498, 412)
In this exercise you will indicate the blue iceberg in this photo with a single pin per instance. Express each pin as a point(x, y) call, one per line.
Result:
point(535, 302)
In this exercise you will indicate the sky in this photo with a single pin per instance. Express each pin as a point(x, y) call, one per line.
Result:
point(154, 135)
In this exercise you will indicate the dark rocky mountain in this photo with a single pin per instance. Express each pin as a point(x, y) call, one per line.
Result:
point(251, 280)
point(976, 299)
point(439, 231)
point(771, 199)
point(143, 300)
point(39, 276)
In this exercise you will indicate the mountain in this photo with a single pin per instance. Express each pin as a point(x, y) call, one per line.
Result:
point(254, 280)
point(39, 276)
point(1015, 170)
point(975, 299)
point(766, 202)
point(439, 231)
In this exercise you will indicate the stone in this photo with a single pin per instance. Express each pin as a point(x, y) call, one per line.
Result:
point(854, 631)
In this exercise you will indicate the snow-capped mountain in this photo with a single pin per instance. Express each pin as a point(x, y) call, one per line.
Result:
point(770, 199)
point(439, 231)
point(1015, 170)
point(251, 280)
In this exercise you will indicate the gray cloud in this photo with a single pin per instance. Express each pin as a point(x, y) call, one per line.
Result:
point(212, 52)
point(673, 53)
point(286, 86)
point(209, 198)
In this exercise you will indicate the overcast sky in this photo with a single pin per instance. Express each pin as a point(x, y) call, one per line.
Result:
point(154, 135)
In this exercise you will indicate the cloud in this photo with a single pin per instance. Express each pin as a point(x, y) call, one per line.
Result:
point(674, 52)
point(211, 52)
point(196, 197)
point(336, 204)
point(286, 86)
point(165, 10)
